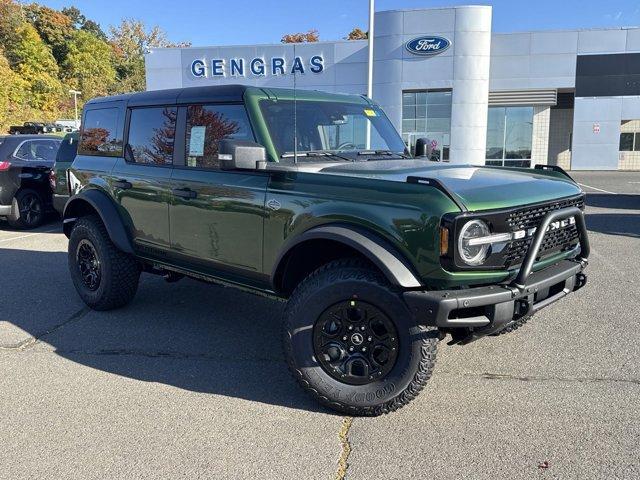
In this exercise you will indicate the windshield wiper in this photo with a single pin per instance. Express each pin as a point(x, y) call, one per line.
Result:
point(382, 152)
point(316, 153)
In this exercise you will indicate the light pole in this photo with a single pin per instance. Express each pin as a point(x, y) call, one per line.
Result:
point(370, 67)
point(370, 38)
point(75, 94)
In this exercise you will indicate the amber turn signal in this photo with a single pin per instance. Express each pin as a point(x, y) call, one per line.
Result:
point(444, 241)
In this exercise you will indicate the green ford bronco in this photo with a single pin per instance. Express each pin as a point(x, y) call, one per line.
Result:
point(313, 198)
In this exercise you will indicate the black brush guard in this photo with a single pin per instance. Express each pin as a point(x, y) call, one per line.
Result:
point(481, 311)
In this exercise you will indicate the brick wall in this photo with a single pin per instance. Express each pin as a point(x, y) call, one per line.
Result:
point(540, 137)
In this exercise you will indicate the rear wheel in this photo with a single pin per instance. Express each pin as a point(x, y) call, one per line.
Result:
point(104, 277)
point(28, 210)
point(351, 342)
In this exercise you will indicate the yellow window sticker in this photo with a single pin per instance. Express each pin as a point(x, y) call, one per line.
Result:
point(370, 113)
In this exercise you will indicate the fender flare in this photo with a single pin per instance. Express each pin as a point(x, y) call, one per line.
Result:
point(108, 212)
point(380, 252)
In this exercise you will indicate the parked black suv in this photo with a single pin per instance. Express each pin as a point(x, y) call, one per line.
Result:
point(25, 163)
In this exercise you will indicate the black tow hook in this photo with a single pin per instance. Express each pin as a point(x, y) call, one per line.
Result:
point(172, 277)
point(521, 308)
point(581, 281)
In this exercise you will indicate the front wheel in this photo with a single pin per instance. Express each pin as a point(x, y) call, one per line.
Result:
point(351, 342)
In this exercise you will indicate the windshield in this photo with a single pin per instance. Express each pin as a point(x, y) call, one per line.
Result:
point(329, 126)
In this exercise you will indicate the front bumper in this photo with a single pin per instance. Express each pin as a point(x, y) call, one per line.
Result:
point(485, 310)
point(475, 312)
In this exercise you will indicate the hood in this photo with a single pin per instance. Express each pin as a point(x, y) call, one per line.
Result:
point(479, 188)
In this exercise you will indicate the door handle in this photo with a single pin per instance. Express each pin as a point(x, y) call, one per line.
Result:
point(184, 192)
point(122, 184)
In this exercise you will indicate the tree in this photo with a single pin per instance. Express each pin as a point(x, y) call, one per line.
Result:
point(130, 41)
point(308, 37)
point(11, 21)
point(14, 97)
point(36, 66)
point(88, 66)
point(357, 34)
point(54, 28)
point(80, 22)
point(94, 29)
point(73, 14)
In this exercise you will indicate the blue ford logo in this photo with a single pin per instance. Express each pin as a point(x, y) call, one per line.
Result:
point(428, 45)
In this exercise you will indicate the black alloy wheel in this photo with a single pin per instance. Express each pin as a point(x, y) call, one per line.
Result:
point(30, 208)
point(88, 264)
point(105, 277)
point(355, 342)
point(351, 341)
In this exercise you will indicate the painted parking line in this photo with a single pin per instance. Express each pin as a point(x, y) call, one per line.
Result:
point(597, 189)
point(27, 236)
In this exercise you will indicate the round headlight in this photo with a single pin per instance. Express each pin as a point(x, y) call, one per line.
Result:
point(473, 254)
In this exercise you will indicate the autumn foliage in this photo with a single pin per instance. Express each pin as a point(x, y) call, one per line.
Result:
point(307, 37)
point(45, 52)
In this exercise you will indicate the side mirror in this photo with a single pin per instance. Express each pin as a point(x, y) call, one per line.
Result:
point(240, 154)
point(423, 147)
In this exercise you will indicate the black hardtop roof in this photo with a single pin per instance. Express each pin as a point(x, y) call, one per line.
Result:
point(218, 93)
point(213, 93)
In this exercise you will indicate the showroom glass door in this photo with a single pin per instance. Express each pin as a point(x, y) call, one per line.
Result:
point(427, 114)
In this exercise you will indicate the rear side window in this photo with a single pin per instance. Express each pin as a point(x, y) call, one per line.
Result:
point(100, 133)
point(68, 148)
point(207, 125)
point(33, 150)
point(152, 132)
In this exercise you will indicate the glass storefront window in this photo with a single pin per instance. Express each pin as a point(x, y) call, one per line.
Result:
point(427, 114)
point(495, 134)
point(626, 142)
point(509, 136)
point(630, 136)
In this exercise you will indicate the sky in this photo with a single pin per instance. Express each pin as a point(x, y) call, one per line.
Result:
point(242, 22)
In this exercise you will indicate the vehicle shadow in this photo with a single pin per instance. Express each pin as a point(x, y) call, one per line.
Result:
point(620, 201)
point(624, 224)
point(190, 335)
point(51, 221)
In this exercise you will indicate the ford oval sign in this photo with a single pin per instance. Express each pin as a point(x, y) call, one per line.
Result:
point(428, 45)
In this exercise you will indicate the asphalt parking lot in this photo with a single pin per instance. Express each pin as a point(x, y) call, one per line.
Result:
point(188, 381)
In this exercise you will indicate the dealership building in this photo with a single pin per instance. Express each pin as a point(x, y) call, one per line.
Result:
point(565, 97)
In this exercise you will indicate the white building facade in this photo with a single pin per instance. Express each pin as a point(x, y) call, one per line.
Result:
point(568, 98)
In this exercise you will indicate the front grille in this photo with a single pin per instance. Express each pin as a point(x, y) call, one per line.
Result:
point(555, 241)
point(531, 217)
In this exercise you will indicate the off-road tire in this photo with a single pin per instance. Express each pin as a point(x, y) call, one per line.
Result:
point(354, 279)
point(120, 273)
point(18, 218)
point(513, 326)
